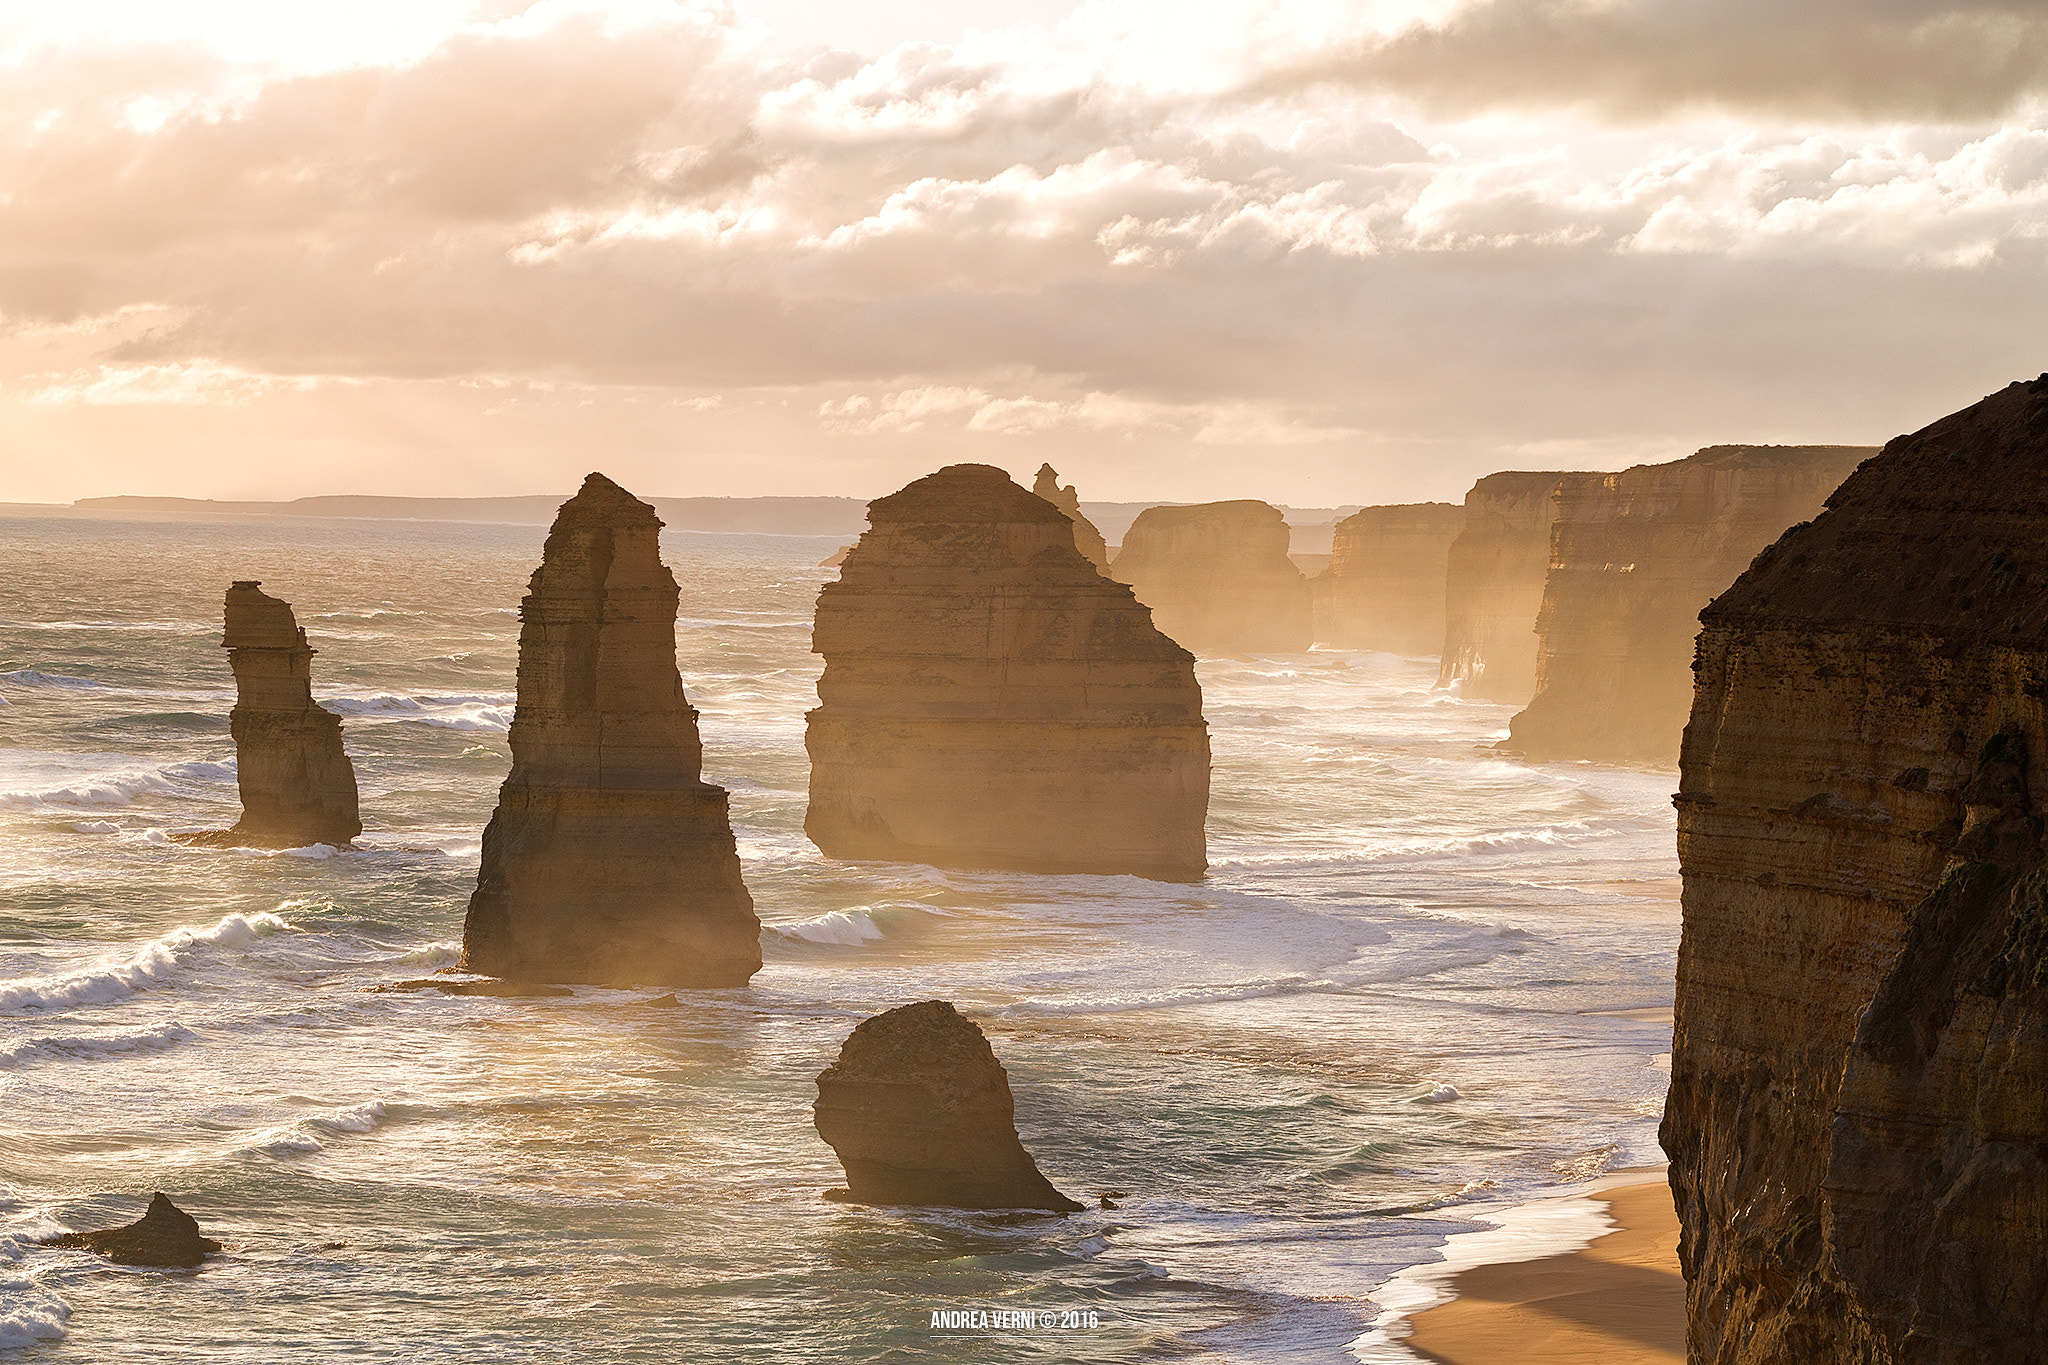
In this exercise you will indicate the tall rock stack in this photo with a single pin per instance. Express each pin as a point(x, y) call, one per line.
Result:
point(1384, 588)
point(1087, 539)
point(1634, 557)
point(1218, 578)
point(1494, 585)
point(608, 861)
point(297, 785)
point(990, 700)
point(1858, 1117)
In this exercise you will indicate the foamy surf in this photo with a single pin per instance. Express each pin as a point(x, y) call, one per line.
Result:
point(30, 1314)
point(150, 965)
point(94, 1047)
point(312, 1133)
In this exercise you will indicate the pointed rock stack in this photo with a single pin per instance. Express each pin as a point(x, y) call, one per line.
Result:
point(1218, 578)
point(919, 1111)
point(608, 861)
point(1384, 588)
point(297, 785)
point(1493, 585)
point(1087, 539)
point(990, 700)
point(165, 1236)
point(1858, 1117)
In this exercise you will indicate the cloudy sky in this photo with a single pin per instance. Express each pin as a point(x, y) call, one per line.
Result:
point(1317, 251)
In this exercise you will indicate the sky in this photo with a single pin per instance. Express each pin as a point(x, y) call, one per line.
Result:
point(1315, 251)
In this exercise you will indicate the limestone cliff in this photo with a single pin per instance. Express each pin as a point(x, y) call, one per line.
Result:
point(919, 1111)
point(1087, 539)
point(1384, 588)
point(1217, 577)
point(297, 785)
point(1858, 1117)
point(990, 700)
point(1634, 556)
point(1494, 585)
point(609, 860)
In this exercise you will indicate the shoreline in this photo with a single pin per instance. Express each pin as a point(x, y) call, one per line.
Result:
point(1590, 1275)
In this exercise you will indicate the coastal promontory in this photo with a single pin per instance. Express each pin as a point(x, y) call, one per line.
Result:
point(1217, 577)
point(1493, 584)
point(1384, 588)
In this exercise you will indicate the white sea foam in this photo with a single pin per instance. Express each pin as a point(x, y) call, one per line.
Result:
point(29, 1314)
point(95, 827)
point(491, 712)
point(1442, 1092)
point(151, 963)
point(305, 1137)
point(31, 780)
point(29, 677)
point(844, 927)
point(94, 1047)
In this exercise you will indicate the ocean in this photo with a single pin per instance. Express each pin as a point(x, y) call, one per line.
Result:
point(1421, 982)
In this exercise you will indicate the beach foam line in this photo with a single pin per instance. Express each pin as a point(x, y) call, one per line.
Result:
point(150, 964)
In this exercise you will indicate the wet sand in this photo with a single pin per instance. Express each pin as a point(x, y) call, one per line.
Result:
point(1621, 1301)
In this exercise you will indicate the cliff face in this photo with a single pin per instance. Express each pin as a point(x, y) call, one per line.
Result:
point(608, 860)
point(1634, 556)
point(1858, 1117)
point(1087, 539)
point(919, 1111)
point(297, 785)
point(1494, 585)
point(1217, 577)
point(1384, 588)
point(990, 700)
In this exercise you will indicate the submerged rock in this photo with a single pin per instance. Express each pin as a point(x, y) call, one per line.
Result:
point(990, 700)
point(1218, 578)
point(1384, 588)
point(298, 788)
point(1493, 585)
point(609, 861)
point(919, 1111)
point(1634, 557)
point(1087, 539)
point(164, 1236)
point(489, 986)
point(1858, 1116)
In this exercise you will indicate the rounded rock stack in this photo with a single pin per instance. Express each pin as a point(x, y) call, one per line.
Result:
point(1218, 578)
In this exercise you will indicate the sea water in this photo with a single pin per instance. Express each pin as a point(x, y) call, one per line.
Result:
point(1421, 979)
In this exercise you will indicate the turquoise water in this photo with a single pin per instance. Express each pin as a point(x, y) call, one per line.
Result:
point(1388, 1006)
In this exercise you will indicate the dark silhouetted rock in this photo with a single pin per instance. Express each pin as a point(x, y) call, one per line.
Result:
point(919, 1111)
point(1493, 586)
point(1087, 539)
point(1218, 578)
point(609, 861)
point(490, 986)
point(164, 1236)
point(990, 700)
point(1384, 588)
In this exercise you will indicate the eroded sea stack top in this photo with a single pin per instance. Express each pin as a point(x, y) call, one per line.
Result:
point(1858, 1117)
point(919, 1111)
point(1384, 588)
point(990, 700)
point(297, 785)
point(609, 860)
point(1218, 578)
point(1634, 556)
point(1087, 539)
point(1494, 584)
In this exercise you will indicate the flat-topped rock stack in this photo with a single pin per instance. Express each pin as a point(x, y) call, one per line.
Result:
point(1634, 557)
point(1493, 586)
point(990, 700)
point(609, 859)
point(1087, 539)
point(1384, 588)
point(1858, 1117)
point(1217, 577)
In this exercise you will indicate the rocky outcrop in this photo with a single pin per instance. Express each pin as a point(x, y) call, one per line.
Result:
point(164, 1236)
point(1634, 556)
point(609, 860)
point(298, 787)
point(1087, 539)
point(1858, 1116)
point(1494, 585)
point(990, 700)
point(1217, 577)
point(919, 1111)
point(1384, 588)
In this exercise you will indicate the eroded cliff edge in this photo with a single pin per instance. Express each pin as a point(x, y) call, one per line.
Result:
point(609, 860)
point(1493, 584)
point(1384, 588)
point(1087, 539)
point(1858, 1116)
point(990, 700)
point(1218, 578)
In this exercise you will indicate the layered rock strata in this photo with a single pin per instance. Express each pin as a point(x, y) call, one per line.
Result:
point(164, 1236)
point(1634, 556)
point(1858, 1116)
point(1218, 578)
point(1087, 539)
point(609, 860)
point(919, 1111)
point(1384, 588)
point(990, 700)
point(298, 786)
point(1493, 585)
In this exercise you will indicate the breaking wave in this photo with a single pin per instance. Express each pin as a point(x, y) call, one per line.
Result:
point(492, 712)
point(151, 963)
point(94, 1047)
point(304, 1137)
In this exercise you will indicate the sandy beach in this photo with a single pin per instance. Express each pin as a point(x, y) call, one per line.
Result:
point(1621, 1301)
